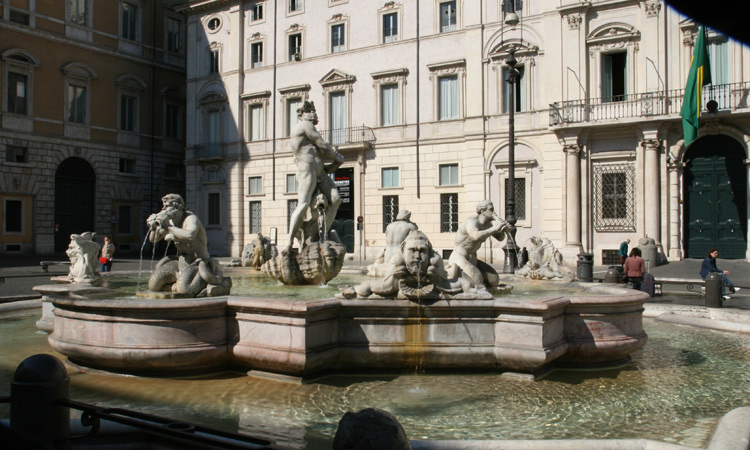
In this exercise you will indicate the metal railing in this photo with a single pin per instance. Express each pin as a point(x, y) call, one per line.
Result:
point(211, 150)
point(350, 135)
point(648, 104)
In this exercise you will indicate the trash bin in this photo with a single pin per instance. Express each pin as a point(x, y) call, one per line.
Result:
point(585, 267)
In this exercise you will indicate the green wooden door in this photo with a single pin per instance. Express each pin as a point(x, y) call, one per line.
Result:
point(715, 199)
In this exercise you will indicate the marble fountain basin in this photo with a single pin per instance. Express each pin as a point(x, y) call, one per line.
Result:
point(305, 339)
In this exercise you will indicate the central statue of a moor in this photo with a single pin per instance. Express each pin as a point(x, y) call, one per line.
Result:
point(321, 253)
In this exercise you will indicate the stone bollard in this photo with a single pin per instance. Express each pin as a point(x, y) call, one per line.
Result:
point(370, 429)
point(585, 267)
point(35, 418)
point(613, 275)
point(714, 281)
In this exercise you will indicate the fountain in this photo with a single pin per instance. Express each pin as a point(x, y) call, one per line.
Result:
point(421, 314)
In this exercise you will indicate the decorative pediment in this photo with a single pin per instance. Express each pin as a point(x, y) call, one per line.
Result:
point(336, 77)
point(80, 70)
point(448, 67)
point(390, 76)
point(173, 91)
point(613, 32)
point(130, 81)
point(257, 97)
point(19, 54)
point(524, 50)
point(301, 90)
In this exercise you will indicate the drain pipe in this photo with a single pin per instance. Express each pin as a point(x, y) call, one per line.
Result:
point(418, 107)
point(241, 128)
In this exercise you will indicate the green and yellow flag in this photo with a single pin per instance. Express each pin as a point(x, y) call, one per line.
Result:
point(699, 76)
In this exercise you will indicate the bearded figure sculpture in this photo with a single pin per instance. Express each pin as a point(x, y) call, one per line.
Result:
point(83, 253)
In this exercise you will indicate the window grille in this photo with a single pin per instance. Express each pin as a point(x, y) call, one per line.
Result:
point(448, 213)
point(390, 210)
point(291, 205)
point(520, 194)
point(255, 213)
point(614, 197)
point(611, 257)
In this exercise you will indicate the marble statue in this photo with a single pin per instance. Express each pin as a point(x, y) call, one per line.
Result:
point(544, 261)
point(321, 254)
point(256, 253)
point(83, 252)
point(417, 273)
point(469, 238)
point(192, 272)
point(395, 233)
point(309, 150)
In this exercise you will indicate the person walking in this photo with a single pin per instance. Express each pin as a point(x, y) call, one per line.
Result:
point(623, 251)
point(634, 268)
point(108, 251)
point(709, 265)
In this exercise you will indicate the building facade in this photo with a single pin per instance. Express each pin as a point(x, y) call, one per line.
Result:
point(92, 119)
point(415, 95)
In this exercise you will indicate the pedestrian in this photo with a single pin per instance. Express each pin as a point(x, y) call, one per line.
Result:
point(709, 265)
point(634, 268)
point(108, 251)
point(623, 251)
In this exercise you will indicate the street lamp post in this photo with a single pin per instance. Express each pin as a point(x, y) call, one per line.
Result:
point(511, 250)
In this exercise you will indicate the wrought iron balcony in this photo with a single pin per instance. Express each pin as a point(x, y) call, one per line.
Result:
point(659, 103)
point(350, 135)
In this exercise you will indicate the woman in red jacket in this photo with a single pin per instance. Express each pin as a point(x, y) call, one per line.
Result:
point(634, 268)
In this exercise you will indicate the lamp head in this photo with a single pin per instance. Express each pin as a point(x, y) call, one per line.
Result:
point(511, 19)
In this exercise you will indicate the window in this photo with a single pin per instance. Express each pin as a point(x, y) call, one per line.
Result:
point(257, 123)
point(390, 210)
point(213, 61)
point(174, 35)
point(292, 105)
point(129, 21)
point(127, 165)
point(77, 12)
point(17, 97)
point(614, 192)
point(448, 174)
point(213, 176)
point(447, 16)
point(256, 55)
point(18, 17)
point(390, 177)
point(389, 105)
point(255, 216)
point(519, 92)
point(295, 47)
point(448, 98)
point(337, 38)
point(213, 127)
point(520, 196)
point(720, 62)
point(256, 11)
point(390, 27)
point(295, 5)
point(448, 213)
point(614, 77)
point(214, 208)
point(124, 221)
point(337, 119)
point(76, 104)
point(291, 183)
point(13, 216)
point(172, 121)
point(255, 185)
point(214, 24)
point(512, 6)
point(128, 112)
point(291, 205)
point(15, 154)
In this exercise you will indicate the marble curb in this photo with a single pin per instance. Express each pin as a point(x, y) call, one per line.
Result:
point(704, 322)
point(20, 305)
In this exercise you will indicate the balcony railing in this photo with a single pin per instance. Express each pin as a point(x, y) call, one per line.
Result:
point(211, 150)
point(659, 103)
point(350, 135)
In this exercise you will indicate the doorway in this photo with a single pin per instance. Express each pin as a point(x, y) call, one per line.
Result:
point(344, 222)
point(715, 187)
point(75, 192)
